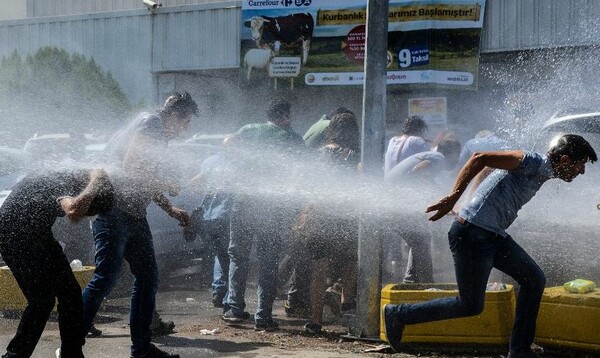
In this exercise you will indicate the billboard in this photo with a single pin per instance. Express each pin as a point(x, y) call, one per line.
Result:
point(322, 42)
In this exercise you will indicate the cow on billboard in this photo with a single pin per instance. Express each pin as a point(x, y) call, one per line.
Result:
point(290, 31)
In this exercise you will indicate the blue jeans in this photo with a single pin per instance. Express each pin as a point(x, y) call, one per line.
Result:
point(475, 252)
point(216, 235)
point(119, 236)
point(268, 231)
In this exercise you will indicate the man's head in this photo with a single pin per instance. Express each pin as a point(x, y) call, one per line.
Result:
point(450, 149)
point(569, 155)
point(177, 113)
point(339, 110)
point(343, 130)
point(279, 113)
point(414, 125)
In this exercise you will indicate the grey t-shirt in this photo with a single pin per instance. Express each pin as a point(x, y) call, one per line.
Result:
point(503, 193)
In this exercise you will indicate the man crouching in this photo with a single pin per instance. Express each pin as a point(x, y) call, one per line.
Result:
point(36, 259)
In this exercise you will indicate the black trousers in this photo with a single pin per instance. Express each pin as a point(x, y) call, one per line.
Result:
point(43, 273)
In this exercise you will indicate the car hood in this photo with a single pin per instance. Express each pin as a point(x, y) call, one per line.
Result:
point(585, 122)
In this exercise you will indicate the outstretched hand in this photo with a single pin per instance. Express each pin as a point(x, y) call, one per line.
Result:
point(443, 207)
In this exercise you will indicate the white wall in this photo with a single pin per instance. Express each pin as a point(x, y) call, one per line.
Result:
point(13, 9)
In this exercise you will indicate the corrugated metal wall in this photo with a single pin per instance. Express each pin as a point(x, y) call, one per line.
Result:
point(528, 24)
point(206, 36)
point(39, 8)
point(119, 42)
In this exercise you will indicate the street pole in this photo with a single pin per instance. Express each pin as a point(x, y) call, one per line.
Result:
point(366, 323)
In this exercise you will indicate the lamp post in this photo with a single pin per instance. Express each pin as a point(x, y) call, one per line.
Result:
point(366, 323)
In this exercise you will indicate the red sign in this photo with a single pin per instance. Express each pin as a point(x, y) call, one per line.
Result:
point(354, 45)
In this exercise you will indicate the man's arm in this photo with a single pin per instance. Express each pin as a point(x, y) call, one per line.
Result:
point(507, 160)
point(77, 207)
point(173, 211)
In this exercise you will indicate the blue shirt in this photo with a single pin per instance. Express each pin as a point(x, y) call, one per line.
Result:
point(502, 194)
point(216, 203)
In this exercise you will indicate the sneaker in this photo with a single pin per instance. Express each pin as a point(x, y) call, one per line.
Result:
point(313, 328)
point(393, 327)
point(94, 332)
point(230, 317)
point(296, 312)
point(154, 352)
point(267, 326)
point(162, 328)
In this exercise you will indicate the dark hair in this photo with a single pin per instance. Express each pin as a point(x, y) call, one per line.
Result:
point(279, 109)
point(573, 146)
point(104, 199)
point(449, 147)
point(414, 125)
point(339, 110)
point(343, 130)
point(179, 102)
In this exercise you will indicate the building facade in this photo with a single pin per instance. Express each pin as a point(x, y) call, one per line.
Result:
point(534, 51)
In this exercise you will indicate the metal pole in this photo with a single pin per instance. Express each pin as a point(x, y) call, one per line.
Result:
point(366, 323)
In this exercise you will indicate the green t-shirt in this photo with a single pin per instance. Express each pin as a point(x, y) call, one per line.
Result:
point(316, 136)
point(268, 134)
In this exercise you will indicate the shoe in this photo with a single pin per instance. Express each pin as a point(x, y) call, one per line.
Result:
point(230, 317)
point(313, 328)
point(296, 312)
point(267, 326)
point(57, 353)
point(162, 328)
point(537, 349)
point(393, 327)
point(154, 352)
point(94, 332)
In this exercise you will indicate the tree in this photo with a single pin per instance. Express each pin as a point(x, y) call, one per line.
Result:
point(54, 91)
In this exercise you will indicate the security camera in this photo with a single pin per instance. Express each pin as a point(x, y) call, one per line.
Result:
point(151, 5)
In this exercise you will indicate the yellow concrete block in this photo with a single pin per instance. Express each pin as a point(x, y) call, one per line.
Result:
point(569, 320)
point(11, 297)
point(492, 326)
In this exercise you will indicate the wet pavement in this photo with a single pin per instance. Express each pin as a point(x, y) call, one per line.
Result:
point(192, 312)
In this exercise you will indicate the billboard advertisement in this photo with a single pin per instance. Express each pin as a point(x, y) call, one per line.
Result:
point(322, 42)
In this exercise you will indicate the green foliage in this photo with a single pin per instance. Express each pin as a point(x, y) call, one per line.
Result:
point(68, 87)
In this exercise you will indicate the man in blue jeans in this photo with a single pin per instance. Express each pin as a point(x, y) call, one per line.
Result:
point(123, 232)
point(479, 242)
point(263, 151)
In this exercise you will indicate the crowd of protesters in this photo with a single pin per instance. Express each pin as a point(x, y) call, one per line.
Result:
point(242, 203)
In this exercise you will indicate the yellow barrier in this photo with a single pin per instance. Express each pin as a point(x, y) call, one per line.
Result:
point(492, 326)
point(569, 320)
point(11, 297)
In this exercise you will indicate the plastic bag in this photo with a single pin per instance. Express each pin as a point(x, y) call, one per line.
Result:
point(579, 286)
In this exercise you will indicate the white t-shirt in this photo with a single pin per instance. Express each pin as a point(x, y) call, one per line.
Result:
point(402, 147)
